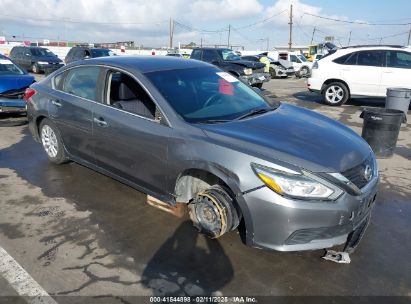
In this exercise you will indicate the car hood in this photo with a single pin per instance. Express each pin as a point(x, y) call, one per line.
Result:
point(248, 64)
point(285, 63)
point(48, 59)
point(294, 135)
point(15, 82)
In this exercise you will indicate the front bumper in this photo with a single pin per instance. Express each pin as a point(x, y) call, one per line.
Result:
point(285, 224)
point(255, 78)
point(49, 68)
point(12, 105)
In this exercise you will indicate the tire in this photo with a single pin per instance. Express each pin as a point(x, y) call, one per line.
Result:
point(304, 72)
point(213, 213)
point(35, 68)
point(336, 94)
point(51, 142)
point(273, 74)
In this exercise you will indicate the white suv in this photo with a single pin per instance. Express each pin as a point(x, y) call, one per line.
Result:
point(362, 71)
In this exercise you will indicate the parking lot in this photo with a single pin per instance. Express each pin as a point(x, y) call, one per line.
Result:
point(77, 232)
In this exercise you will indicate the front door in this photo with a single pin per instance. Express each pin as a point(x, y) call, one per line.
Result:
point(397, 72)
point(128, 139)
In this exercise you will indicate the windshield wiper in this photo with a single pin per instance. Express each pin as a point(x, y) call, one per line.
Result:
point(213, 121)
point(255, 112)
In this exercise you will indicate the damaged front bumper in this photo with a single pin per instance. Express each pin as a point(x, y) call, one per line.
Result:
point(285, 224)
point(12, 105)
point(255, 78)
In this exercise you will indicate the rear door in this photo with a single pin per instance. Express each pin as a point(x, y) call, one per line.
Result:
point(362, 71)
point(129, 139)
point(397, 71)
point(70, 108)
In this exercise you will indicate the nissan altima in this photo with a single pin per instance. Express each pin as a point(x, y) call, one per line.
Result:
point(187, 132)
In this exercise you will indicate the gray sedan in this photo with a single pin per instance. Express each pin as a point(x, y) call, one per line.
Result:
point(185, 131)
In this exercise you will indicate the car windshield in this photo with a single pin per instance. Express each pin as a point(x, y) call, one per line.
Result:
point(101, 52)
point(206, 94)
point(229, 55)
point(42, 52)
point(302, 58)
point(7, 67)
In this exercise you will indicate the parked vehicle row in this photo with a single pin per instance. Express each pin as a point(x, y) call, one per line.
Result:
point(247, 71)
point(361, 71)
point(277, 68)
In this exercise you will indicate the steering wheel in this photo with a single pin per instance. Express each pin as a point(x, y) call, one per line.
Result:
point(211, 100)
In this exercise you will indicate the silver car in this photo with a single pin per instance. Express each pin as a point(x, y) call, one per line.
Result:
point(185, 131)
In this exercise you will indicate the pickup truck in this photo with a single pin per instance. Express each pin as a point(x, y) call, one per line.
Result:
point(247, 71)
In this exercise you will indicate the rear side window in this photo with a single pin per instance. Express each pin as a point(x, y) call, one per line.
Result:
point(400, 60)
point(196, 54)
point(342, 59)
point(210, 56)
point(81, 82)
point(371, 58)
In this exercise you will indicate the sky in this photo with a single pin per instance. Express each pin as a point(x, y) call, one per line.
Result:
point(254, 24)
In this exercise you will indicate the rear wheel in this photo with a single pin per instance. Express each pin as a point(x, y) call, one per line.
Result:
point(336, 94)
point(213, 212)
point(52, 142)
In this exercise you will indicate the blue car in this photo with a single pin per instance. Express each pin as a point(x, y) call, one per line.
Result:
point(13, 83)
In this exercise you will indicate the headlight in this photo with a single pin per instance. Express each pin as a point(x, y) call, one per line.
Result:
point(248, 71)
point(43, 62)
point(302, 185)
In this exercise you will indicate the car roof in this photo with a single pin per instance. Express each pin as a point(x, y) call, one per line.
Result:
point(211, 48)
point(146, 64)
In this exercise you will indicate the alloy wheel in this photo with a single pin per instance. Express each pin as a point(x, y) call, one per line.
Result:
point(49, 140)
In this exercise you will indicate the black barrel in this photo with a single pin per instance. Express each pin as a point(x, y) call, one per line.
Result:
point(381, 128)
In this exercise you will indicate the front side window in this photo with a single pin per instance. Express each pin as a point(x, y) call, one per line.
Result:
point(126, 94)
point(370, 58)
point(396, 59)
point(201, 95)
point(81, 81)
point(228, 55)
point(293, 58)
point(42, 52)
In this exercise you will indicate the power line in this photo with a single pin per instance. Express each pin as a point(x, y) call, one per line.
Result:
point(261, 21)
point(354, 22)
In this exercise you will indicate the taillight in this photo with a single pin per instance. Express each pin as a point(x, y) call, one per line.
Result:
point(28, 94)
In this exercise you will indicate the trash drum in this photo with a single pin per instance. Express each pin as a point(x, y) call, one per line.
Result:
point(398, 99)
point(381, 128)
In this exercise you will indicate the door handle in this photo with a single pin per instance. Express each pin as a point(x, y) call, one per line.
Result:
point(56, 103)
point(100, 122)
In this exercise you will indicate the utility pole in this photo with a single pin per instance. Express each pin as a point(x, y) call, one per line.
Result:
point(290, 43)
point(349, 39)
point(171, 32)
point(409, 36)
point(201, 42)
point(312, 37)
point(229, 33)
point(268, 44)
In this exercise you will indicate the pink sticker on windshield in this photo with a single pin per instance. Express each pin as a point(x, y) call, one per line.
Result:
point(225, 87)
